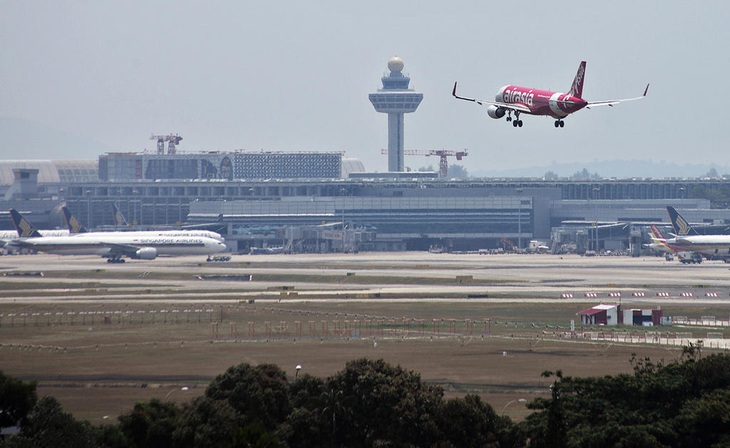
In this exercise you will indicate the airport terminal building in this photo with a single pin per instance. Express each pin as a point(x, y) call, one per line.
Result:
point(268, 199)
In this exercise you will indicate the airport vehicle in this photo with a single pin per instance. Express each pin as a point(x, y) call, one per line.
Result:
point(115, 245)
point(526, 100)
point(75, 227)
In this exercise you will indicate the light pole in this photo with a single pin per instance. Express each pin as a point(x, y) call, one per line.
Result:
point(135, 203)
point(521, 400)
point(297, 368)
point(184, 388)
point(343, 192)
point(681, 197)
point(88, 208)
point(595, 219)
point(519, 218)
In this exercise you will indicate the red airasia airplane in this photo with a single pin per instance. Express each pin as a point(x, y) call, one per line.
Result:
point(558, 105)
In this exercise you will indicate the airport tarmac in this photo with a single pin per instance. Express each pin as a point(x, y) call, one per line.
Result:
point(365, 276)
point(102, 336)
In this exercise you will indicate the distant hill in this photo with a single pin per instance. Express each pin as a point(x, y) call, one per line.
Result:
point(621, 169)
point(24, 139)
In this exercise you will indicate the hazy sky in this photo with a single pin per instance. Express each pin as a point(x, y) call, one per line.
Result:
point(295, 75)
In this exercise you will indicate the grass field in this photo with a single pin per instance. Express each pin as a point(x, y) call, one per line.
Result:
point(99, 352)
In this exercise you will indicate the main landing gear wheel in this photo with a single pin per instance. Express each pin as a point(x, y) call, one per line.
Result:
point(559, 124)
point(517, 123)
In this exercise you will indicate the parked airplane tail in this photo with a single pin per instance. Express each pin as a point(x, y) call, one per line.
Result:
point(680, 225)
point(119, 219)
point(74, 226)
point(657, 234)
point(577, 88)
point(24, 228)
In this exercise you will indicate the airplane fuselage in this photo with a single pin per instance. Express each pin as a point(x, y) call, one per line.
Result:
point(107, 245)
point(154, 234)
point(540, 102)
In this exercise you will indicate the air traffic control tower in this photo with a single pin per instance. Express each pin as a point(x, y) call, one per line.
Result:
point(395, 99)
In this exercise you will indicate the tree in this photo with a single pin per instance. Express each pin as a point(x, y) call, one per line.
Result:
point(335, 404)
point(17, 398)
point(680, 404)
point(469, 422)
point(48, 426)
point(207, 422)
point(705, 421)
point(457, 172)
point(150, 424)
point(307, 423)
point(584, 175)
point(259, 394)
point(389, 405)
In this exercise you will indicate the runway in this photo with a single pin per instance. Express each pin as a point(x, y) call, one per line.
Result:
point(400, 276)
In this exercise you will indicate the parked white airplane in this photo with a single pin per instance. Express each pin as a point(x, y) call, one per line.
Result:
point(115, 245)
point(8, 236)
point(75, 227)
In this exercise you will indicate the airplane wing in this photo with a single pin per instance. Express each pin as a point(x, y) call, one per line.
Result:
point(612, 102)
point(119, 250)
point(508, 106)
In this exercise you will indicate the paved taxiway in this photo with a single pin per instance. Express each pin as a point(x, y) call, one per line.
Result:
point(391, 276)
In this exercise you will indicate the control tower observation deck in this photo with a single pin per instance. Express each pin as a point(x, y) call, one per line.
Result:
point(395, 99)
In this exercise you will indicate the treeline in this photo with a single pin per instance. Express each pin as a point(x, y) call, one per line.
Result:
point(685, 403)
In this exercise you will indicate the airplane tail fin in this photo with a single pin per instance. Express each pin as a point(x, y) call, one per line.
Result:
point(74, 226)
point(577, 88)
point(24, 228)
point(680, 225)
point(119, 219)
point(657, 234)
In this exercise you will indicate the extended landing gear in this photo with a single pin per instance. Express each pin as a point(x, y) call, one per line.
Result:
point(559, 124)
point(115, 260)
point(517, 122)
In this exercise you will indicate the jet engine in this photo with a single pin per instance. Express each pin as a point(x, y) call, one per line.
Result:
point(496, 111)
point(146, 253)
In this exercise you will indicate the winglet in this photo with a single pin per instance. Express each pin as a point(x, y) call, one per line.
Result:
point(24, 228)
point(646, 90)
point(453, 92)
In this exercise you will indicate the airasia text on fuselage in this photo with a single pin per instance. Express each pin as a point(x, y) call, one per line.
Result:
point(516, 96)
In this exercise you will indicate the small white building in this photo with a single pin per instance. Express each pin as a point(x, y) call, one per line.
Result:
point(603, 314)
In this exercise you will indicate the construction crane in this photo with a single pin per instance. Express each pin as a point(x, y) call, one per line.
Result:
point(172, 141)
point(442, 153)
